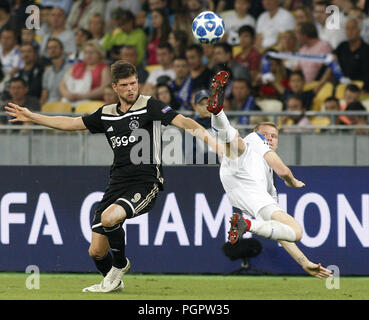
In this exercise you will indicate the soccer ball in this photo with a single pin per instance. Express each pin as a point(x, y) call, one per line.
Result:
point(208, 27)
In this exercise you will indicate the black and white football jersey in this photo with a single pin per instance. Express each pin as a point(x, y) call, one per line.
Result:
point(135, 138)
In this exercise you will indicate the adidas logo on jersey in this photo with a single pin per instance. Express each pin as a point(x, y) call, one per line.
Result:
point(110, 129)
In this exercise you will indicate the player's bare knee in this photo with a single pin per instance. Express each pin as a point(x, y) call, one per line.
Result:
point(96, 253)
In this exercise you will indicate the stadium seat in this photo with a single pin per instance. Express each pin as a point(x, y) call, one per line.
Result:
point(267, 105)
point(152, 67)
point(325, 92)
point(57, 107)
point(236, 50)
point(88, 106)
point(310, 85)
point(270, 105)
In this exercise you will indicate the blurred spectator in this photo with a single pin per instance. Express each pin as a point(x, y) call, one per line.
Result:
point(331, 104)
point(274, 87)
point(189, 10)
point(242, 100)
point(291, 5)
point(57, 20)
point(182, 84)
point(223, 55)
point(125, 34)
point(64, 4)
point(9, 53)
point(201, 75)
point(18, 94)
point(129, 53)
point(334, 36)
point(307, 36)
point(32, 71)
point(28, 36)
point(271, 22)
point(179, 40)
point(353, 54)
point(96, 26)
point(81, 36)
point(160, 34)
point(219, 6)
point(111, 5)
point(352, 94)
point(296, 87)
point(196, 151)
point(288, 43)
point(358, 13)
point(8, 21)
point(110, 97)
point(87, 79)
point(165, 56)
point(54, 73)
point(249, 56)
point(356, 120)
point(164, 93)
point(208, 55)
point(147, 15)
point(45, 28)
point(303, 14)
point(295, 103)
point(234, 19)
point(82, 11)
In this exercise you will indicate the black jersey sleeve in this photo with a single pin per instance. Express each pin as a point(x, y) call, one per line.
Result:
point(93, 122)
point(160, 111)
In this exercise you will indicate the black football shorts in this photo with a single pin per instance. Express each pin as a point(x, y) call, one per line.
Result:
point(135, 199)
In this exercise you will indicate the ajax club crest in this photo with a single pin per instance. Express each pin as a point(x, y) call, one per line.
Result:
point(134, 123)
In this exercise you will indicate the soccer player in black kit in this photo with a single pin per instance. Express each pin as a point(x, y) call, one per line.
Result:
point(132, 127)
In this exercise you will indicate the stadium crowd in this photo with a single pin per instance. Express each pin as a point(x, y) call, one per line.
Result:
point(293, 55)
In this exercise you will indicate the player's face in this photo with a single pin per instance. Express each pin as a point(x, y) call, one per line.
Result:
point(271, 134)
point(127, 89)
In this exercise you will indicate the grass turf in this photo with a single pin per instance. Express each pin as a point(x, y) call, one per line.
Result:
point(183, 287)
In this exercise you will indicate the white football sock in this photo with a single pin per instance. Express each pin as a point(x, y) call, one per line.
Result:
point(273, 230)
point(220, 123)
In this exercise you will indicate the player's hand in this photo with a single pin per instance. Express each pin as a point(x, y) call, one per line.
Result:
point(295, 183)
point(317, 270)
point(18, 113)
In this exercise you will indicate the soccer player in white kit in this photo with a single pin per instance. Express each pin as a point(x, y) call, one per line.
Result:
point(246, 173)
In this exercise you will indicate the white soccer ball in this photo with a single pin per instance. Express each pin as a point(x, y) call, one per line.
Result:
point(208, 27)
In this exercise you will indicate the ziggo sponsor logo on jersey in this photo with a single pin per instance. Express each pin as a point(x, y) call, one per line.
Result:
point(121, 141)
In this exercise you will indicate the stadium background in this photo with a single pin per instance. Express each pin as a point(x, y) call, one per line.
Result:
point(46, 178)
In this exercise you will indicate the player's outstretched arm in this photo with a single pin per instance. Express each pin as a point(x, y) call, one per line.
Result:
point(276, 163)
point(198, 131)
point(21, 114)
point(316, 270)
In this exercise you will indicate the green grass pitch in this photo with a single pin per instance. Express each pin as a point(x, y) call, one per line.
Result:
point(184, 287)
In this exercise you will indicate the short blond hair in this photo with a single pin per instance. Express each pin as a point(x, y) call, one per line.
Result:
point(265, 123)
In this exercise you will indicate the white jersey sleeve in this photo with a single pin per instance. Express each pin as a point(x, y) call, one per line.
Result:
point(258, 143)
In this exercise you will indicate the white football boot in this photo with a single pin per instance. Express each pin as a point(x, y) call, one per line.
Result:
point(112, 281)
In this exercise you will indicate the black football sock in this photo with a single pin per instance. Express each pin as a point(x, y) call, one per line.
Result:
point(116, 238)
point(104, 264)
